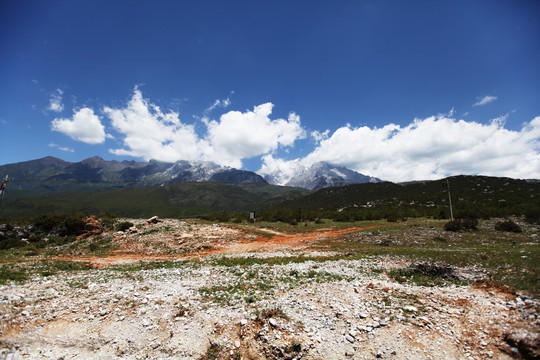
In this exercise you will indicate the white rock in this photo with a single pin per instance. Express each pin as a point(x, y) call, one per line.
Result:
point(410, 308)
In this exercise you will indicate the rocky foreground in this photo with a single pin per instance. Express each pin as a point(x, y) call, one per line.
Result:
point(265, 305)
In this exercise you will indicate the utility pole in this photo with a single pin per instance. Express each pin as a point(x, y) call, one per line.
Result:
point(3, 188)
point(449, 200)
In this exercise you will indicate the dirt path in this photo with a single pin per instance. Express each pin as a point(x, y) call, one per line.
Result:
point(283, 241)
point(245, 244)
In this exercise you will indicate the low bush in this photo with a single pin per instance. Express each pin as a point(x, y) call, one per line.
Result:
point(507, 225)
point(453, 225)
point(461, 224)
point(63, 225)
point(469, 224)
point(532, 216)
point(11, 243)
point(123, 226)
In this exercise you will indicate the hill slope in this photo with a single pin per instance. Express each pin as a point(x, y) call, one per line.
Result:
point(471, 195)
point(184, 199)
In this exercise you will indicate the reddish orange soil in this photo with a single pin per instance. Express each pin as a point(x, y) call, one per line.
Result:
point(287, 240)
point(246, 244)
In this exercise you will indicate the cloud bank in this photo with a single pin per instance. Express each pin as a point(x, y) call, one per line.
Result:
point(429, 148)
point(149, 133)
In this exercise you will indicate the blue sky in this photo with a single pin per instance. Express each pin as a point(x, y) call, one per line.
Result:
point(400, 90)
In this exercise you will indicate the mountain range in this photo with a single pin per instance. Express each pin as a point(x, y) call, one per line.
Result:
point(190, 189)
point(53, 174)
point(319, 175)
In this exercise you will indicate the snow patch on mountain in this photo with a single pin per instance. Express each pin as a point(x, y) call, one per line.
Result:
point(317, 176)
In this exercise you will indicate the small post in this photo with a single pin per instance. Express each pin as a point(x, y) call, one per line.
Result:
point(3, 188)
point(252, 216)
point(449, 200)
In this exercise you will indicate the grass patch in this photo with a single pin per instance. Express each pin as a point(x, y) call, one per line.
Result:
point(420, 279)
point(273, 312)
point(9, 274)
point(227, 294)
point(306, 226)
point(21, 272)
point(213, 352)
point(49, 268)
point(147, 265)
point(512, 259)
point(245, 262)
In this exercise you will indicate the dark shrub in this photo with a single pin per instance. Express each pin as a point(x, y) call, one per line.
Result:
point(123, 226)
point(75, 225)
point(341, 217)
point(48, 222)
point(532, 216)
point(10, 243)
point(63, 225)
point(469, 224)
point(461, 224)
point(454, 225)
point(507, 225)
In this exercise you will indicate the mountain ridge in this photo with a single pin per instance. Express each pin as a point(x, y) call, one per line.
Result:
point(34, 174)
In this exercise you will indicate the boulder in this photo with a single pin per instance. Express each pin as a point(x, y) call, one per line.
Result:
point(154, 220)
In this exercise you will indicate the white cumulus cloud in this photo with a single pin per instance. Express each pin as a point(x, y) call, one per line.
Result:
point(147, 132)
point(55, 101)
point(85, 126)
point(247, 134)
point(485, 100)
point(152, 134)
point(429, 148)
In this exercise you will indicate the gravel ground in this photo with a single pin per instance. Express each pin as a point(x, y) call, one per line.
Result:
point(345, 309)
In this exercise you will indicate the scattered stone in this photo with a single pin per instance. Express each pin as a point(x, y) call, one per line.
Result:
point(154, 220)
point(375, 313)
